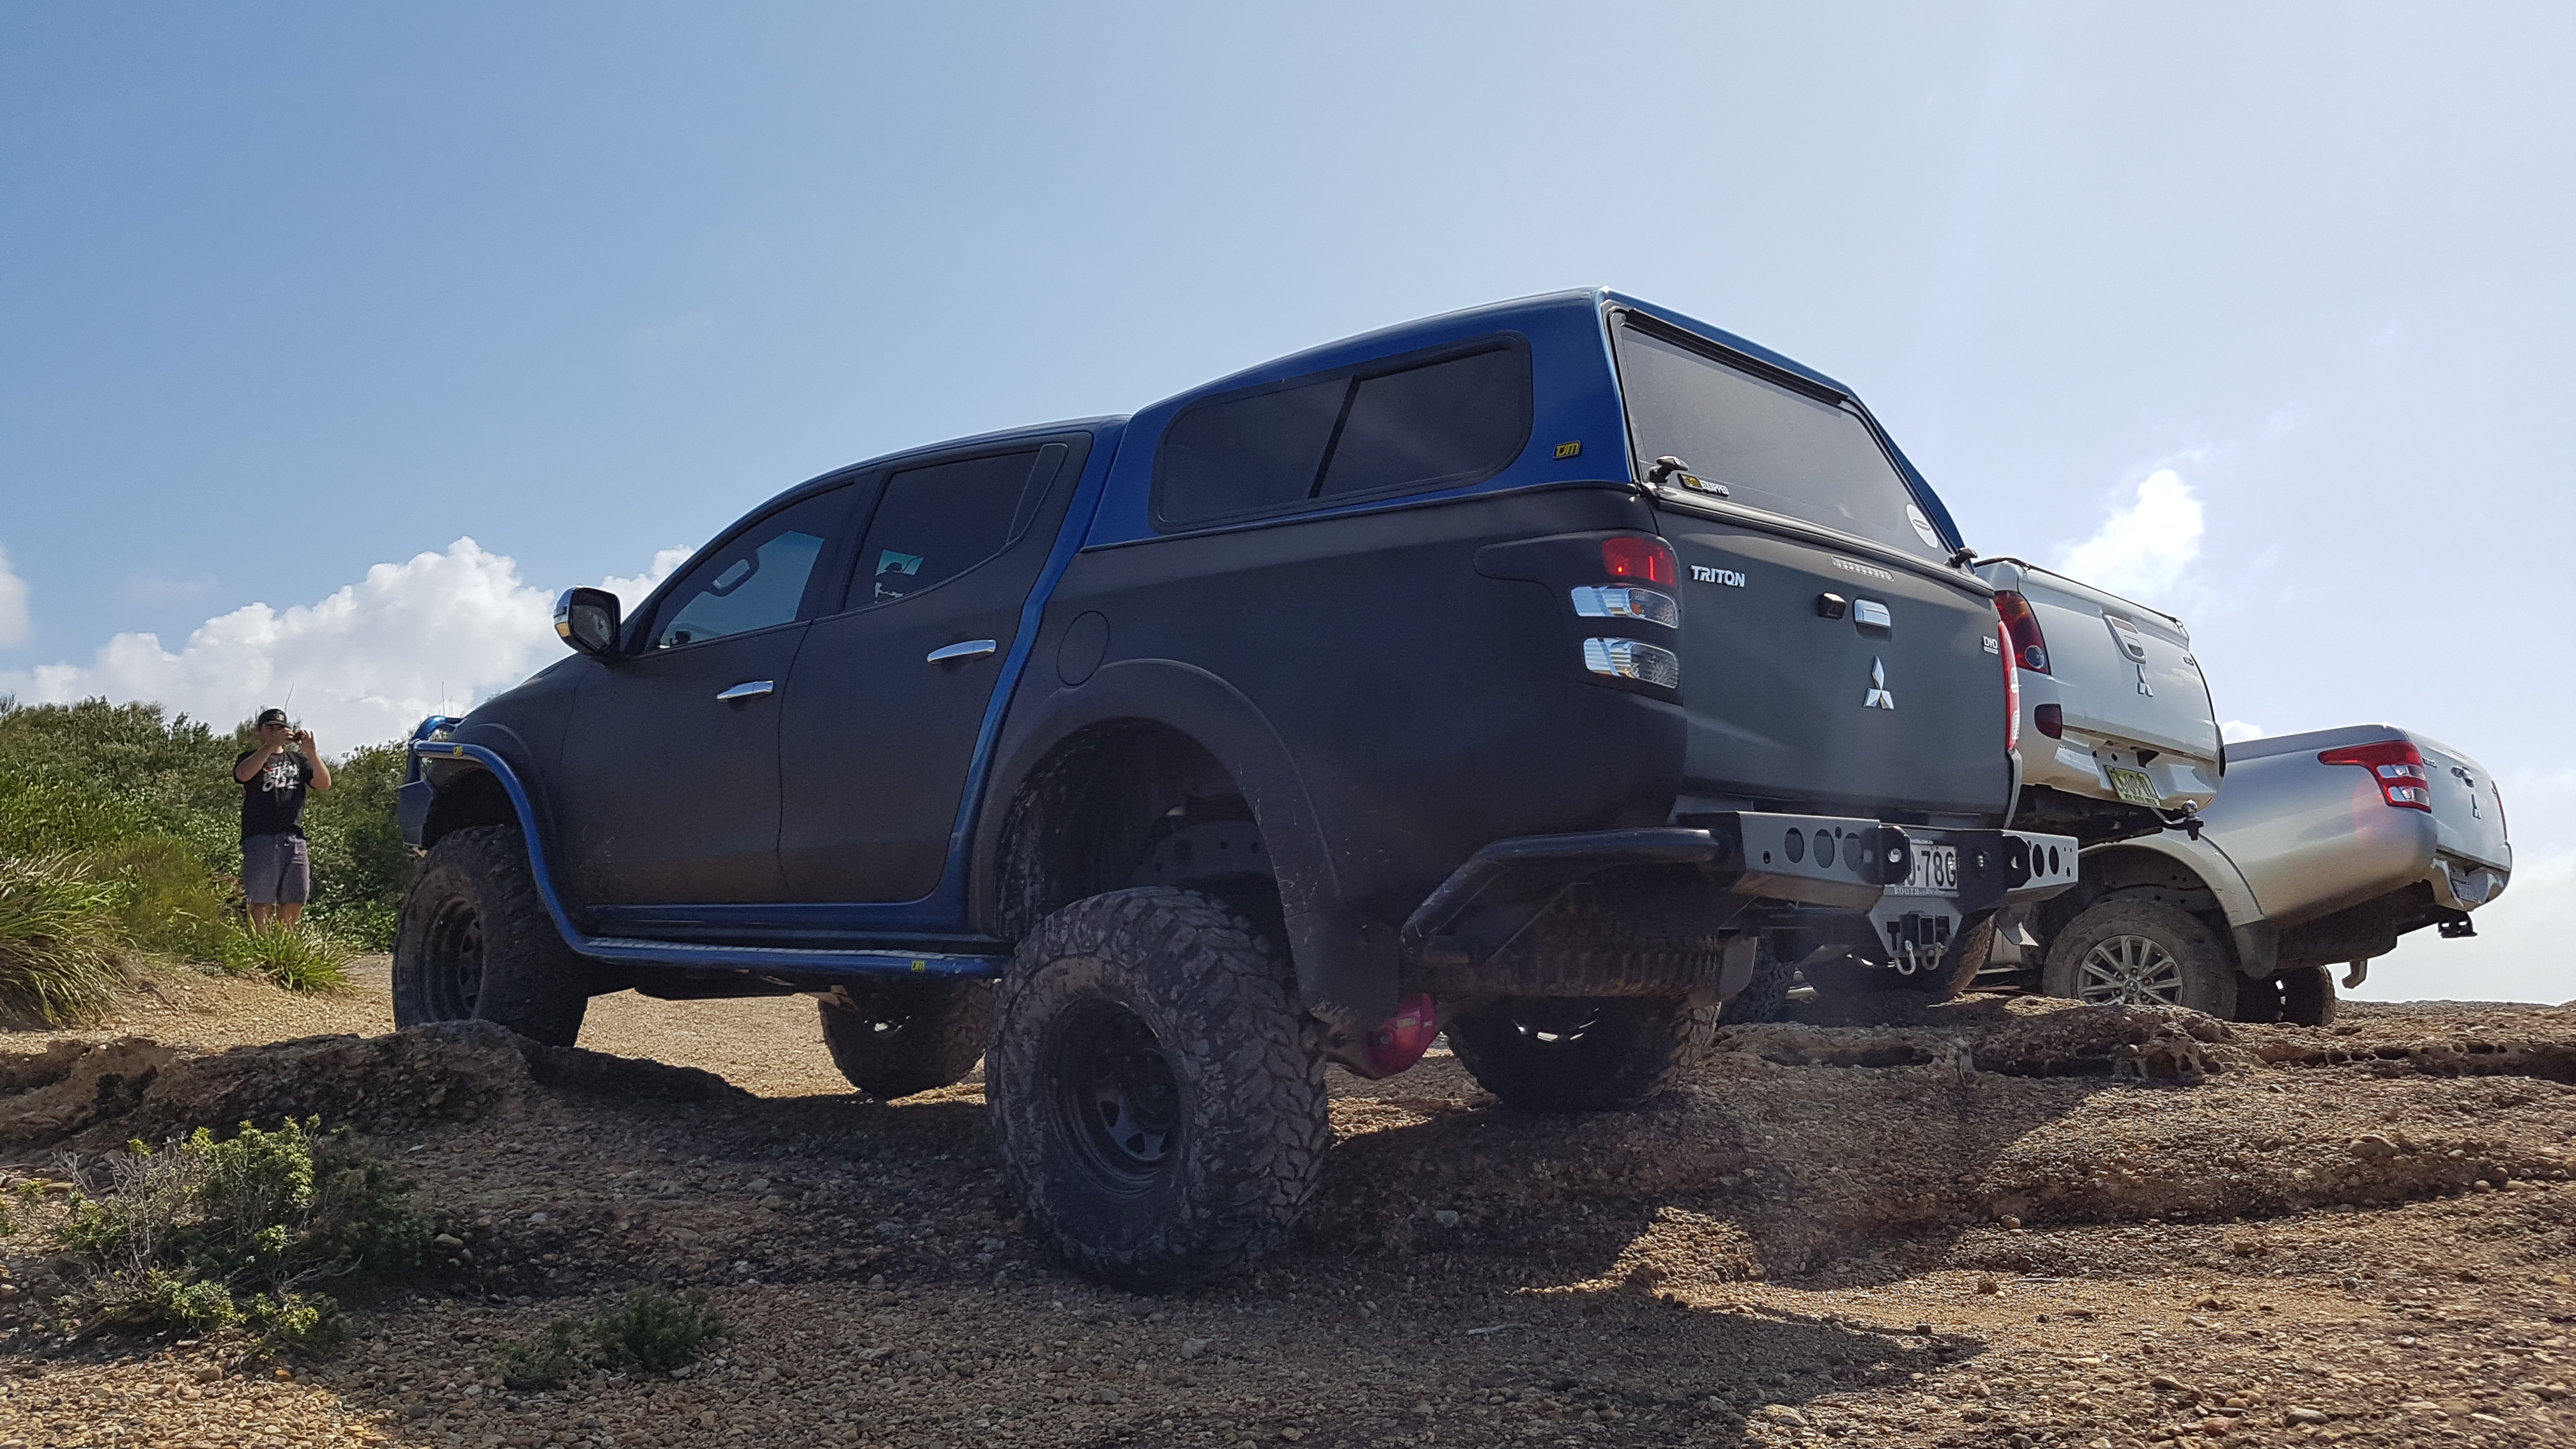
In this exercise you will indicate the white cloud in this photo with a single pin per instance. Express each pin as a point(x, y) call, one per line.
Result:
point(2237, 729)
point(364, 664)
point(2142, 549)
point(14, 628)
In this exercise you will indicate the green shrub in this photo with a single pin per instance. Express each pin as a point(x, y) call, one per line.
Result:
point(298, 957)
point(649, 1328)
point(58, 933)
point(546, 1360)
point(167, 903)
point(205, 1233)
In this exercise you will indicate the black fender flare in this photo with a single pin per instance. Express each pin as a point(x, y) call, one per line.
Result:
point(1346, 963)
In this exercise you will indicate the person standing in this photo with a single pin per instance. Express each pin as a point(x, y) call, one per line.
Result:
point(277, 874)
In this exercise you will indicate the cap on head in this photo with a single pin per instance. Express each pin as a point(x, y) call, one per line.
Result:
point(269, 717)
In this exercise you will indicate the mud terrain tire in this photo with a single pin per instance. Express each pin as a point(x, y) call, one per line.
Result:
point(1766, 997)
point(1156, 1088)
point(2143, 952)
point(895, 1038)
point(474, 943)
point(1580, 1053)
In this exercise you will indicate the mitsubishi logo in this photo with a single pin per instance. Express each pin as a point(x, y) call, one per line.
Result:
point(1878, 697)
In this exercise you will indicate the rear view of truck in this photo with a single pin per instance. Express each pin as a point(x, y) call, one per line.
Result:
point(1834, 655)
point(2323, 850)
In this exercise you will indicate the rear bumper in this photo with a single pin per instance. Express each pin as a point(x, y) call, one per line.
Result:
point(1726, 863)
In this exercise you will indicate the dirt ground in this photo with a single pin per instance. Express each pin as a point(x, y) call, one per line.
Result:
point(1993, 1223)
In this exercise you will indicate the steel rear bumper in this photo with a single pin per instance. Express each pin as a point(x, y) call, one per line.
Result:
point(1835, 862)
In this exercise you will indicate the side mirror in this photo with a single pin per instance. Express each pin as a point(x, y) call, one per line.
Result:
point(587, 620)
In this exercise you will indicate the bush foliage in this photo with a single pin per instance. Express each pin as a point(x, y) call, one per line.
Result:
point(147, 804)
point(649, 1328)
point(205, 1233)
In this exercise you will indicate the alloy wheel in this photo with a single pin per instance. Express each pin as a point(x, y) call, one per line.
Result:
point(2129, 971)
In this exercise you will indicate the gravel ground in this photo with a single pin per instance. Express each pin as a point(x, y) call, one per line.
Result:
point(1991, 1223)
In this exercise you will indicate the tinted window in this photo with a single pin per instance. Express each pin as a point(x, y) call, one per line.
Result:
point(1467, 415)
point(1248, 453)
point(1772, 447)
point(937, 522)
point(1413, 427)
point(757, 579)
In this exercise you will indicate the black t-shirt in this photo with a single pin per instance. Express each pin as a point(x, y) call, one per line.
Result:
point(273, 799)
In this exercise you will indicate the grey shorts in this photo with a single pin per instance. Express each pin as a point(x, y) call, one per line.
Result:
point(275, 870)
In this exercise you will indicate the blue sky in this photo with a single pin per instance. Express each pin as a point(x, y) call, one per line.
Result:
point(290, 294)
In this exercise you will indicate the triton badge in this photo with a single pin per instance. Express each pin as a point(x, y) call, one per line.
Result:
point(1878, 697)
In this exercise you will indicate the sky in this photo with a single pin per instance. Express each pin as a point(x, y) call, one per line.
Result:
point(334, 340)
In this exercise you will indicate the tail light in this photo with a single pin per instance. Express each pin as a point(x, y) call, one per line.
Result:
point(2012, 699)
point(2051, 719)
point(2022, 638)
point(2396, 766)
point(1640, 559)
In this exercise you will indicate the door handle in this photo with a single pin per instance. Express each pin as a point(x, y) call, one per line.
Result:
point(748, 689)
point(963, 649)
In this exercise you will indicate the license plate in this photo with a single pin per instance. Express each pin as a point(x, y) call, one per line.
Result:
point(1935, 871)
point(2136, 787)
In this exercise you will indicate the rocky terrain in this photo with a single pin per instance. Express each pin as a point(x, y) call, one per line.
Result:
point(2000, 1223)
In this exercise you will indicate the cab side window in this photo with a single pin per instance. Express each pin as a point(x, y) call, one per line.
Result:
point(937, 522)
point(1390, 426)
point(759, 578)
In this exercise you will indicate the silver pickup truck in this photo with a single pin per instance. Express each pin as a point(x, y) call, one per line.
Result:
point(2323, 849)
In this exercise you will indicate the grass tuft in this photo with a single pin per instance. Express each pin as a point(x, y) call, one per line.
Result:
point(58, 932)
point(299, 957)
point(649, 1328)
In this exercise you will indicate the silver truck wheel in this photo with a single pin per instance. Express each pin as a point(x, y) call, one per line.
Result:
point(2129, 971)
point(2138, 951)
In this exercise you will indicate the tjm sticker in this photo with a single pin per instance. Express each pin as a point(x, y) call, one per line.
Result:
point(1703, 574)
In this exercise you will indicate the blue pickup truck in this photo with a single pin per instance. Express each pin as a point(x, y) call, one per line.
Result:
point(1528, 673)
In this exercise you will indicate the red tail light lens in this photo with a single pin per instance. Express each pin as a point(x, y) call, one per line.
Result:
point(2012, 701)
point(2021, 631)
point(1640, 560)
point(2395, 766)
point(2051, 719)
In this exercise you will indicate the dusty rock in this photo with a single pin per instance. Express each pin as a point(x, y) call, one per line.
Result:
point(1633, 1297)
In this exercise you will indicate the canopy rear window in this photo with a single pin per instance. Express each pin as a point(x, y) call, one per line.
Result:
point(1769, 443)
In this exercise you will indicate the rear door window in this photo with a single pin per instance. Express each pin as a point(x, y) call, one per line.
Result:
point(937, 522)
point(1766, 442)
point(760, 577)
point(1384, 429)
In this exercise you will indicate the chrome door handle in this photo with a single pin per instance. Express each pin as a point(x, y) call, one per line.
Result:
point(963, 649)
point(748, 689)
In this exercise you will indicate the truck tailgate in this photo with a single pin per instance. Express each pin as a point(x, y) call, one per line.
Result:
point(1789, 702)
point(2122, 671)
point(2467, 808)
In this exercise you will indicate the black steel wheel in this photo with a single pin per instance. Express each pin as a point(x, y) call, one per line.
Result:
point(475, 943)
point(1118, 1098)
point(1157, 1090)
point(1580, 1053)
point(451, 960)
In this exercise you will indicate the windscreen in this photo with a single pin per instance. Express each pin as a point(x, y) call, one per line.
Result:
point(1769, 446)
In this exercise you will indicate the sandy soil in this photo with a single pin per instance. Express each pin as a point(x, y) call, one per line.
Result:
point(1991, 1223)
